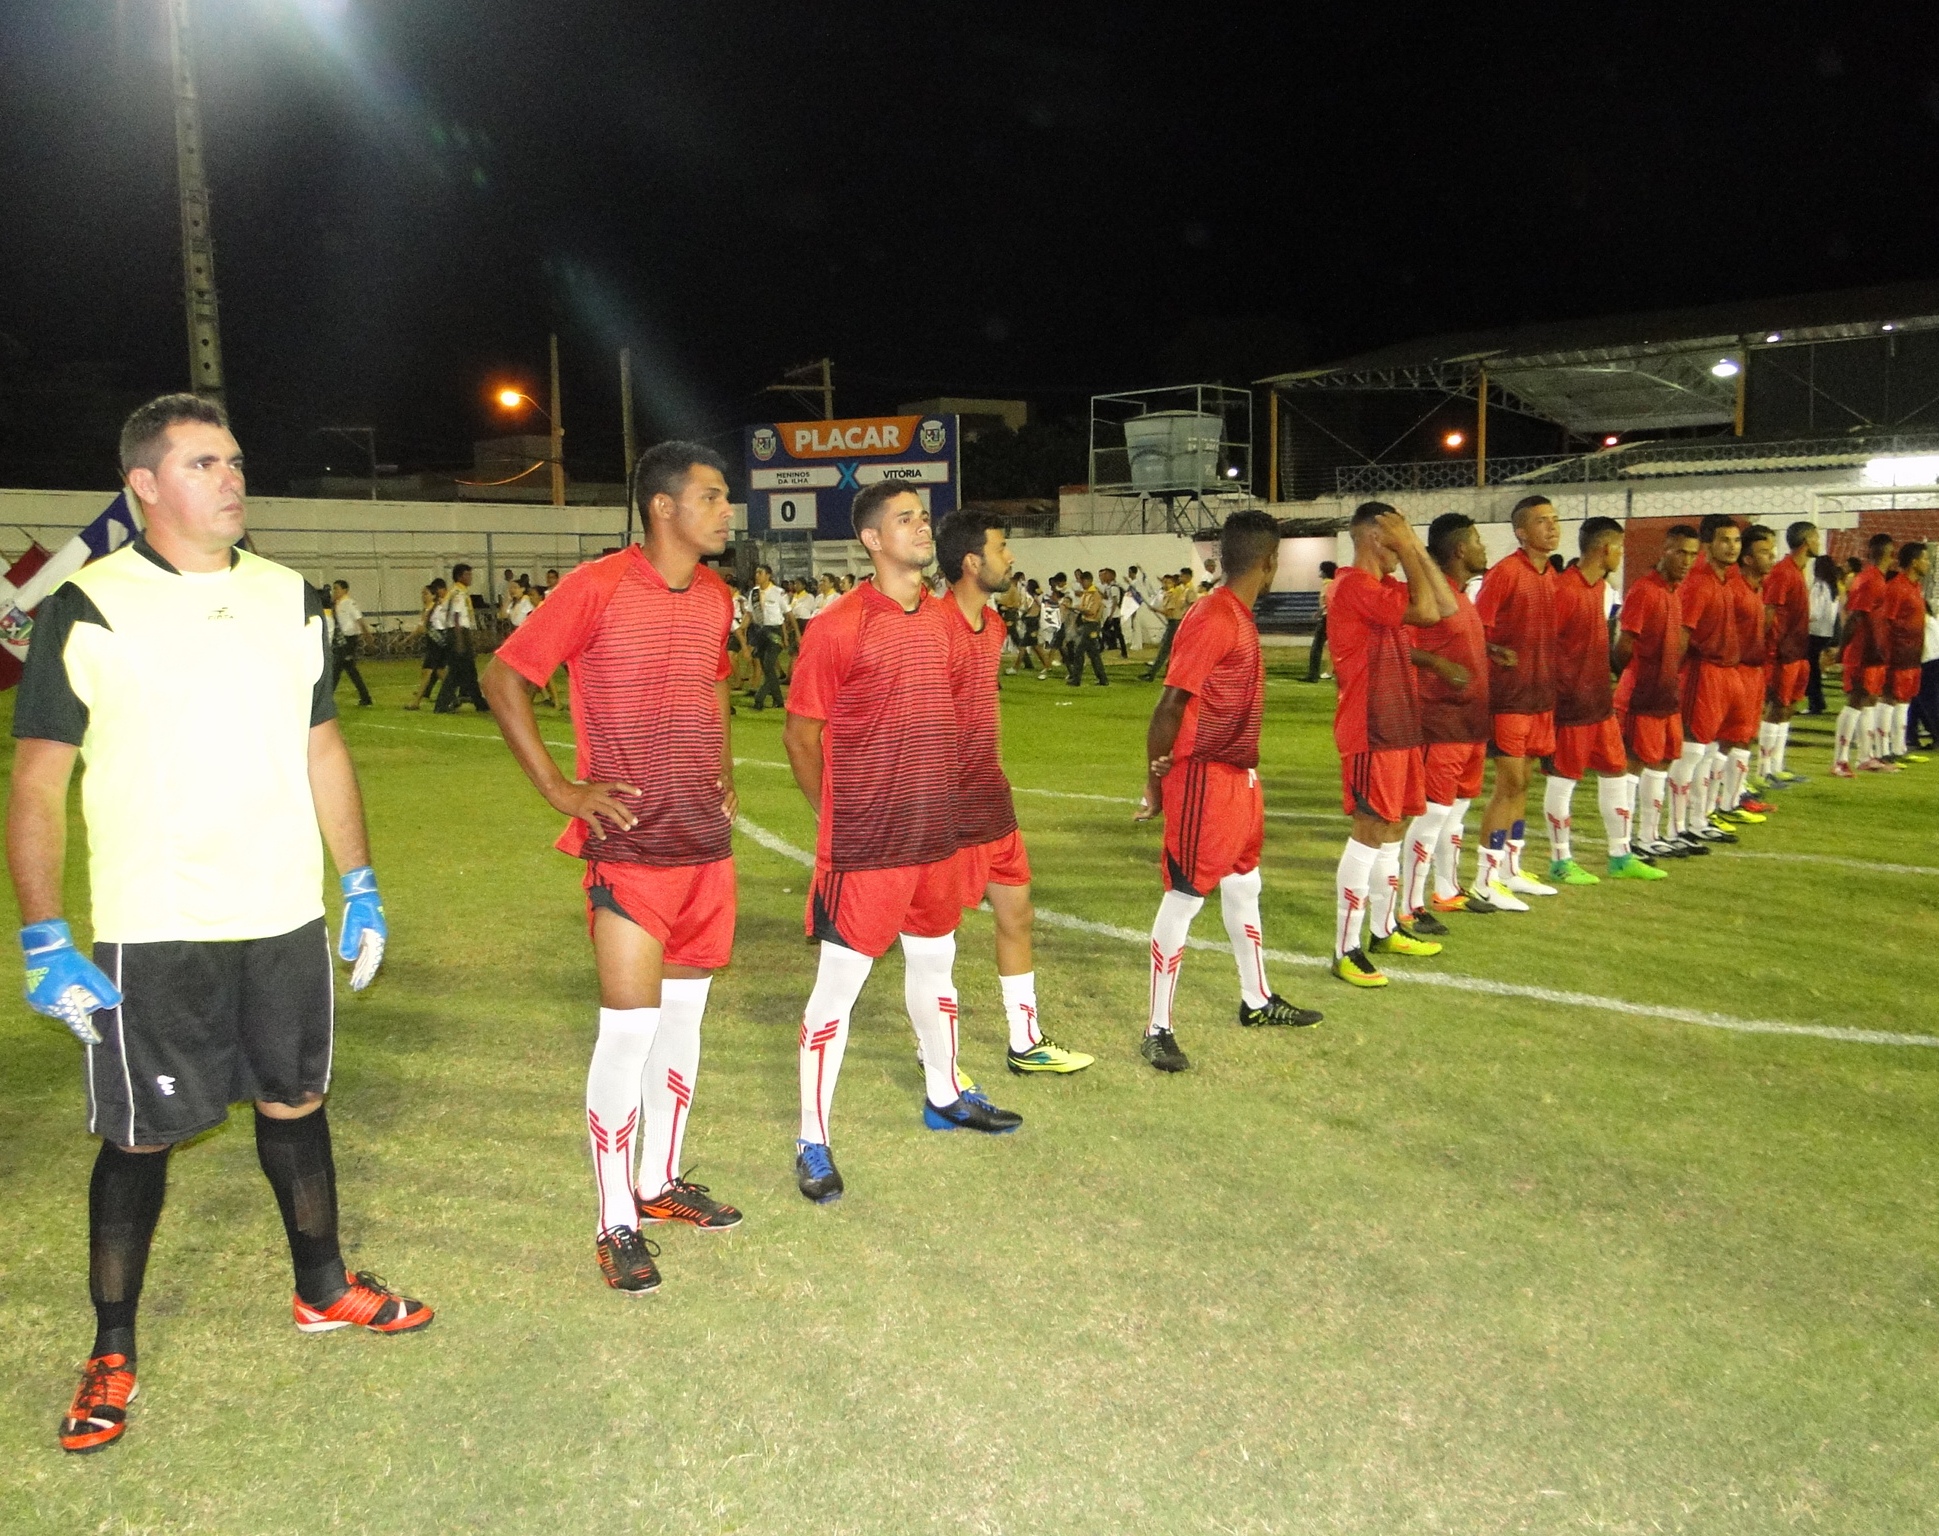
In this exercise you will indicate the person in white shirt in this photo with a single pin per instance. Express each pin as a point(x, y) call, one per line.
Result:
point(767, 617)
point(349, 639)
point(800, 611)
point(1827, 579)
point(826, 592)
point(434, 656)
point(461, 679)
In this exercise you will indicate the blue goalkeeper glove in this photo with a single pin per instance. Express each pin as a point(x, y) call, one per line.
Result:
point(362, 939)
point(62, 982)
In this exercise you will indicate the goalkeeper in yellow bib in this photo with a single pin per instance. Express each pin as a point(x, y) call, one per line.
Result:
point(194, 678)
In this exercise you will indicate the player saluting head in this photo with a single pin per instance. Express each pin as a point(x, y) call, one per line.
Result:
point(974, 554)
point(1202, 752)
point(195, 679)
point(1377, 729)
point(643, 637)
point(871, 736)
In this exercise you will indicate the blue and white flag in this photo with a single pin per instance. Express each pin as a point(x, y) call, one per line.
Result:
point(107, 533)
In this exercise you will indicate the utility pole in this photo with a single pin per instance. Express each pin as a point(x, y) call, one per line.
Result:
point(807, 381)
point(558, 433)
point(198, 243)
point(626, 435)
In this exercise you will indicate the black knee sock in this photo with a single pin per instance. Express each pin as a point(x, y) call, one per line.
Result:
point(295, 1155)
point(124, 1204)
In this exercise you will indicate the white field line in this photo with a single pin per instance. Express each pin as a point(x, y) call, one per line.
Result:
point(777, 844)
point(1586, 838)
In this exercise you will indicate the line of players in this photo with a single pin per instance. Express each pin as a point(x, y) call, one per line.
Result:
point(1709, 661)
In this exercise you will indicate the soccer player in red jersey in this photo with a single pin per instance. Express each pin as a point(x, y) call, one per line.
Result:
point(974, 554)
point(1711, 618)
point(1738, 806)
point(1650, 644)
point(643, 637)
point(1586, 732)
point(1905, 623)
point(1377, 729)
point(1787, 598)
point(1451, 657)
point(872, 739)
point(1202, 755)
point(1865, 638)
point(1517, 608)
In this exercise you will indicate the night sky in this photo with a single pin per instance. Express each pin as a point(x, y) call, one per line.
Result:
point(1037, 200)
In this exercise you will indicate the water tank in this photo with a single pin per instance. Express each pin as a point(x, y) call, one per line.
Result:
point(1173, 450)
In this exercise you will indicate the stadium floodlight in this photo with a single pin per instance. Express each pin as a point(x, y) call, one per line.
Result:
point(1724, 368)
point(1890, 326)
point(1611, 440)
point(1903, 469)
point(1232, 473)
point(1775, 336)
point(1454, 440)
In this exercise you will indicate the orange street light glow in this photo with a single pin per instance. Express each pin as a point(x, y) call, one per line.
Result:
point(510, 399)
point(1454, 439)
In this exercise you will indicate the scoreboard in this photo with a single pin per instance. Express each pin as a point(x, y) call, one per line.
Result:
point(802, 476)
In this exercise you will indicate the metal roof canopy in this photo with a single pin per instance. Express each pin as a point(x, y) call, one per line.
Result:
point(1635, 373)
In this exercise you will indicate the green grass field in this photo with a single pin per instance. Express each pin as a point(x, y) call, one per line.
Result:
point(1454, 1261)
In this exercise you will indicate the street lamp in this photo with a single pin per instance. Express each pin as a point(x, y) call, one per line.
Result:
point(511, 399)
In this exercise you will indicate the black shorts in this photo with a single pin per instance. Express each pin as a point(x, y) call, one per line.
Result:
point(434, 652)
point(202, 1026)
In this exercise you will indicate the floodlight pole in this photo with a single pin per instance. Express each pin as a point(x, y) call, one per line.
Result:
point(626, 434)
point(1481, 427)
point(1737, 412)
point(558, 433)
point(1272, 453)
point(198, 243)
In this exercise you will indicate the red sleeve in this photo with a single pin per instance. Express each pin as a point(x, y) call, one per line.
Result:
point(1640, 607)
point(559, 627)
point(723, 664)
point(1699, 597)
point(827, 652)
point(1380, 603)
point(1199, 648)
point(1494, 589)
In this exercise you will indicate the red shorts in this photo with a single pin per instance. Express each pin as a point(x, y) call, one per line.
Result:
point(1903, 684)
point(1391, 785)
point(1578, 748)
point(864, 909)
point(1786, 681)
point(1215, 824)
point(1747, 708)
point(1652, 738)
point(1002, 862)
point(689, 908)
point(1453, 770)
point(1860, 678)
point(1523, 735)
point(1709, 696)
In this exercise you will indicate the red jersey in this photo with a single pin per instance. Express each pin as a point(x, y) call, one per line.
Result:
point(1753, 636)
point(1215, 657)
point(984, 810)
point(644, 661)
point(1905, 622)
point(1653, 614)
point(1710, 615)
point(1584, 685)
point(1788, 597)
point(1517, 608)
point(879, 677)
point(1865, 605)
point(1379, 706)
point(1450, 714)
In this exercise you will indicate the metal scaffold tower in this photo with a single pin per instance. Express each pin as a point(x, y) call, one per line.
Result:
point(198, 243)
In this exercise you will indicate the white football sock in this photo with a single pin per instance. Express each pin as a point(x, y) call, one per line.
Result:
point(1653, 786)
point(1492, 867)
point(824, 1033)
point(1168, 933)
point(929, 993)
point(1020, 1009)
point(1383, 890)
point(1875, 731)
point(1709, 781)
point(1615, 797)
point(1556, 802)
point(1851, 730)
point(613, 1085)
point(667, 1094)
point(1447, 853)
point(1901, 717)
point(1350, 884)
point(1683, 786)
point(1517, 840)
point(1422, 839)
point(1779, 742)
point(1767, 749)
point(1736, 770)
point(1239, 905)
